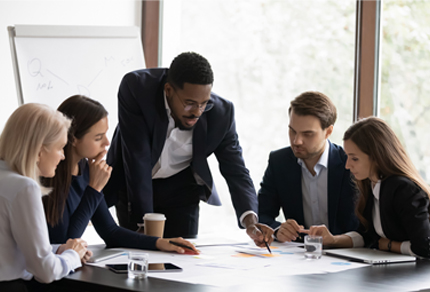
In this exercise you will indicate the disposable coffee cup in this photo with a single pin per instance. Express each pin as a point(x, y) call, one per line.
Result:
point(154, 224)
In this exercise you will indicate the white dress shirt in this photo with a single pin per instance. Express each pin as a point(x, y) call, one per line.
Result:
point(314, 191)
point(177, 153)
point(357, 239)
point(25, 250)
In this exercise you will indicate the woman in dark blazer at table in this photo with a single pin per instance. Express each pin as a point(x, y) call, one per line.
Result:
point(393, 207)
point(77, 186)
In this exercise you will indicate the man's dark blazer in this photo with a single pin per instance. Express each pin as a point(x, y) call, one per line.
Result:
point(140, 136)
point(282, 188)
point(404, 215)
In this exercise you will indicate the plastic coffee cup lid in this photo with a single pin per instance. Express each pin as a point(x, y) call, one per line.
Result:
point(154, 217)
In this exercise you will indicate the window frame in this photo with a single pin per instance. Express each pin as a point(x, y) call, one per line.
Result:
point(367, 51)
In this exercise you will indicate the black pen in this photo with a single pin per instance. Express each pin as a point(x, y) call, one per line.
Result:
point(300, 236)
point(181, 245)
point(265, 242)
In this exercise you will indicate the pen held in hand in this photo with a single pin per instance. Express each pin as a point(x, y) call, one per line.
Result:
point(267, 246)
point(181, 245)
point(265, 242)
point(300, 237)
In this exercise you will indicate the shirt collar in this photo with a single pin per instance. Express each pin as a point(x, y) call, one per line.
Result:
point(166, 104)
point(376, 189)
point(322, 162)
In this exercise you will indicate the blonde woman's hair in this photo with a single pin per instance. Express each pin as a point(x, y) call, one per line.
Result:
point(29, 128)
point(376, 139)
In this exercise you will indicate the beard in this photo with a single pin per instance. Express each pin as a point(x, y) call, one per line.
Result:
point(181, 126)
point(304, 154)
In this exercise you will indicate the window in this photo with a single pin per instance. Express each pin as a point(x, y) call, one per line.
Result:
point(405, 68)
point(264, 53)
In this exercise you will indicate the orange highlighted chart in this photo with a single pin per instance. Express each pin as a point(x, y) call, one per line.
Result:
point(249, 255)
point(256, 252)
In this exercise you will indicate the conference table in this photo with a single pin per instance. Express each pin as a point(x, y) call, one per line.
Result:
point(410, 276)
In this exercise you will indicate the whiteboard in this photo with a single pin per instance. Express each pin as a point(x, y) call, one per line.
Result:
point(52, 63)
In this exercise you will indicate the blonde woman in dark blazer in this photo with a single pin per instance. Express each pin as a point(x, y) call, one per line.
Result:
point(394, 199)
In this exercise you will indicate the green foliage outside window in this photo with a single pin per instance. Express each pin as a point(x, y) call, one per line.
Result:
point(405, 72)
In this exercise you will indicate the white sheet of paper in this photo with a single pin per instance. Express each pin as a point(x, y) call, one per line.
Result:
point(223, 266)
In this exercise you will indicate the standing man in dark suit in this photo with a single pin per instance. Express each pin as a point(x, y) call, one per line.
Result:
point(308, 180)
point(169, 123)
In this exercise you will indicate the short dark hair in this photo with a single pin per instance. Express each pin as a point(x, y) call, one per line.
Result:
point(189, 67)
point(313, 103)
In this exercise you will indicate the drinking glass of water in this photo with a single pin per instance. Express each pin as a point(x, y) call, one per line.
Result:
point(137, 265)
point(313, 246)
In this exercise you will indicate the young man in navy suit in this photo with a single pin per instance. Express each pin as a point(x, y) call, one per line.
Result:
point(169, 123)
point(308, 180)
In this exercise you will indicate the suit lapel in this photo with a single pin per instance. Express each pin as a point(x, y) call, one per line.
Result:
point(367, 214)
point(335, 173)
point(384, 194)
point(160, 126)
point(199, 162)
point(293, 190)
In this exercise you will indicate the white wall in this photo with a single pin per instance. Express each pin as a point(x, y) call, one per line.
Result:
point(54, 12)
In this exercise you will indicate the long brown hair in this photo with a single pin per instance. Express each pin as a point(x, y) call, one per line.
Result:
point(84, 112)
point(376, 139)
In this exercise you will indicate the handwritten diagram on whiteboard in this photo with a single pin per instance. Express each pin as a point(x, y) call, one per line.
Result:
point(51, 69)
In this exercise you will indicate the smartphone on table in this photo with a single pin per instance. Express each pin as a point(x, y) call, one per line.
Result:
point(152, 268)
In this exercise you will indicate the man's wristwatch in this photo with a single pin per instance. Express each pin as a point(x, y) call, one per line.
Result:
point(389, 245)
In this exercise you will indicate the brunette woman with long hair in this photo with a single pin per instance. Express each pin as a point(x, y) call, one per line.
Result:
point(77, 186)
point(394, 199)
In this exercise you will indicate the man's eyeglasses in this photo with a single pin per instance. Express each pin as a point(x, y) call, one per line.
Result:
point(191, 106)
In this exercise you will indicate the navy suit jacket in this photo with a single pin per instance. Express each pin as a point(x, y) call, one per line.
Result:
point(282, 188)
point(140, 136)
point(404, 215)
